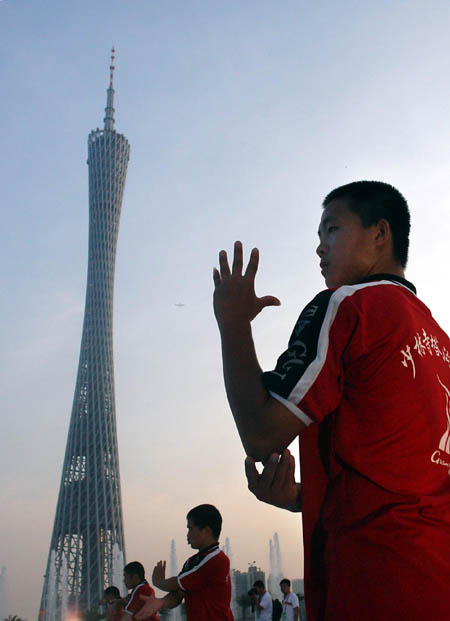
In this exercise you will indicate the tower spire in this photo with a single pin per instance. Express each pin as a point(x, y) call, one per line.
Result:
point(109, 110)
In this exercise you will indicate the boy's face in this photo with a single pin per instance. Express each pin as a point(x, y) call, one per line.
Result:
point(109, 597)
point(346, 248)
point(284, 588)
point(196, 536)
point(130, 580)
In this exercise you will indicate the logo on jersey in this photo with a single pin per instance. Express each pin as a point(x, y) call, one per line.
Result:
point(442, 455)
point(424, 345)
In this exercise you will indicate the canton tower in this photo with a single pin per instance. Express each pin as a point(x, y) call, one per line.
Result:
point(87, 548)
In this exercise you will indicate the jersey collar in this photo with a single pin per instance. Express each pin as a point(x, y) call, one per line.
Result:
point(392, 278)
point(209, 548)
point(193, 561)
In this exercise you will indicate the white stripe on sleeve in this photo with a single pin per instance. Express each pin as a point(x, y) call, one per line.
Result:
point(312, 372)
point(292, 408)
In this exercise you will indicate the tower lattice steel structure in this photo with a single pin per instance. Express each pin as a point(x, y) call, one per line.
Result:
point(88, 528)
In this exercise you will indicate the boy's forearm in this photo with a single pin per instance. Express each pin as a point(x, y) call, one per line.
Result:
point(172, 599)
point(264, 424)
point(242, 372)
point(166, 584)
point(245, 391)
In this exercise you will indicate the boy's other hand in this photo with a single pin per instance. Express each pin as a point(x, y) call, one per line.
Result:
point(152, 604)
point(276, 484)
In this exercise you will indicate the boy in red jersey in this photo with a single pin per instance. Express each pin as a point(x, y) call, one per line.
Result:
point(365, 383)
point(113, 602)
point(204, 581)
point(134, 578)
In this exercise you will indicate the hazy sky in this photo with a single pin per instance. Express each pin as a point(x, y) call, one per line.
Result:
point(241, 116)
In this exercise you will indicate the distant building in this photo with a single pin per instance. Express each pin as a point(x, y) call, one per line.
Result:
point(244, 580)
point(240, 583)
point(297, 586)
point(255, 573)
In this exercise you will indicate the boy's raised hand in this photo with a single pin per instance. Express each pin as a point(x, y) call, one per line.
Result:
point(159, 574)
point(235, 300)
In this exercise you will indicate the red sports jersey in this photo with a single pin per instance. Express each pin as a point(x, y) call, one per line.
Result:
point(205, 580)
point(136, 601)
point(370, 368)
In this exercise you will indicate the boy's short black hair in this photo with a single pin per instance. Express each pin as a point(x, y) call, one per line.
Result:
point(206, 515)
point(374, 201)
point(112, 590)
point(285, 581)
point(259, 584)
point(135, 568)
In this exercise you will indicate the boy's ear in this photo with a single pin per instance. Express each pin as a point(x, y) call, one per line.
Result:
point(383, 231)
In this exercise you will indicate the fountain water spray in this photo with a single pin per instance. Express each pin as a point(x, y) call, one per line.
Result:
point(276, 568)
point(173, 559)
point(64, 590)
point(278, 563)
point(173, 567)
point(50, 612)
point(117, 569)
point(234, 605)
point(271, 559)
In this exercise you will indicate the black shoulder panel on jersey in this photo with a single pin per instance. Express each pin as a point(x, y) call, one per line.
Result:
point(302, 348)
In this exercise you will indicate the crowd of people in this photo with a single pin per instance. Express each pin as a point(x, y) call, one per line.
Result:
point(203, 583)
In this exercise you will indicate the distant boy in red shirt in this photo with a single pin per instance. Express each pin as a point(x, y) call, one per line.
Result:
point(114, 604)
point(134, 578)
point(204, 581)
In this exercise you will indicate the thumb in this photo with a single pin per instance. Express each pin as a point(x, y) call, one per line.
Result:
point(268, 300)
point(251, 473)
